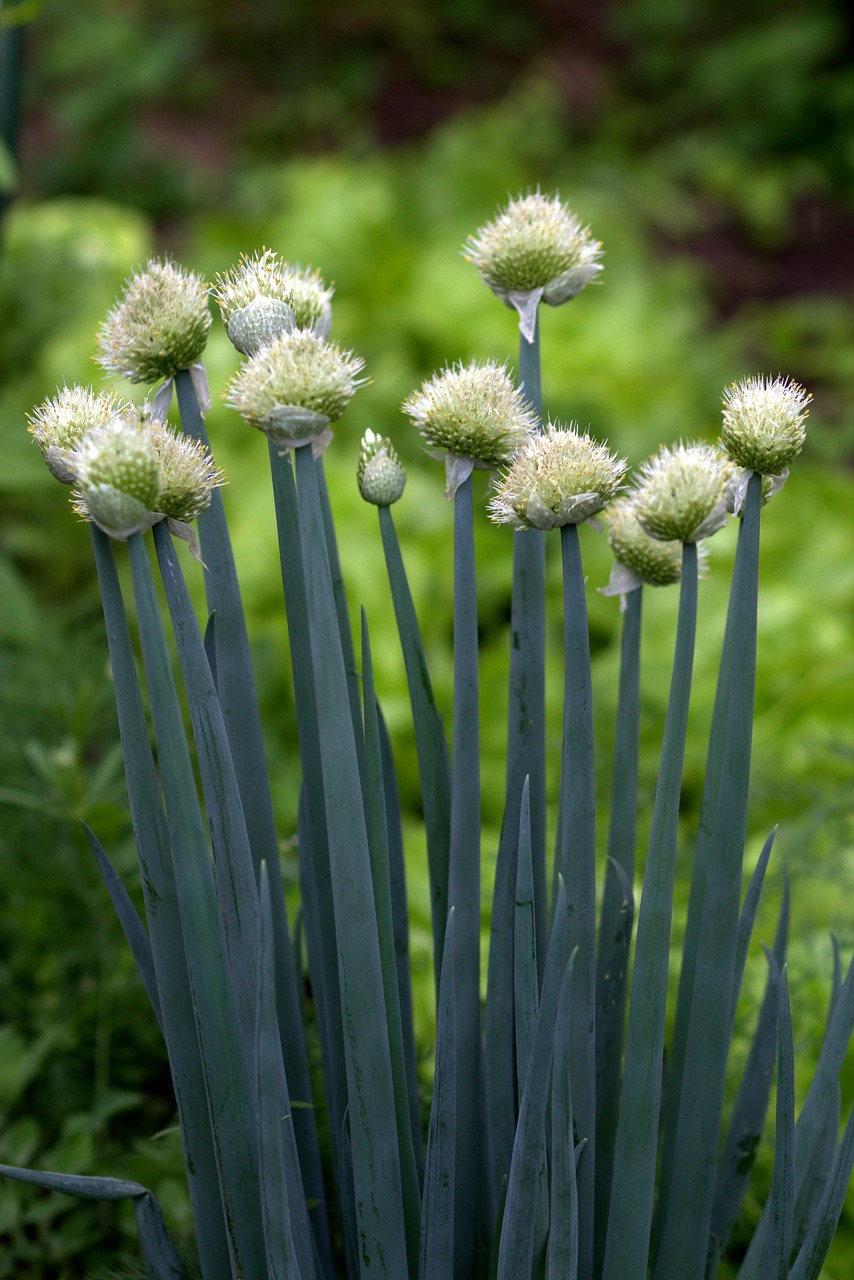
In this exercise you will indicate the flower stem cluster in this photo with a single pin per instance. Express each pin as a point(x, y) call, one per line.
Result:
point(560, 477)
point(160, 324)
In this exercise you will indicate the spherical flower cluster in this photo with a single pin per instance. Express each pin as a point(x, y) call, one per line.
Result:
point(379, 473)
point(188, 474)
point(560, 477)
point(681, 493)
point(763, 423)
point(159, 326)
point(643, 559)
point(472, 411)
point(118, 477)
point(535, 243)
point(58, 425)
point(293, 388)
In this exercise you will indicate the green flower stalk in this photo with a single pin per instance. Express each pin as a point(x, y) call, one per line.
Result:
point(160, 325)
point(561, 477)
point(534, 250)
point(764, 423)
point(294, 388)
point(681, 493)
point(58, 425)
point(379, 474)
point(472, 416)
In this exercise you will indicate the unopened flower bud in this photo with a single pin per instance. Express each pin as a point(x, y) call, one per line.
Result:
point(58, 425)
point(560, 477)
point(681, 493)
point(473, 416)
point(535, 249)
point(294, 388)
point(160, 324)
point(763, 423)
point(255, 302)
point(379, 473)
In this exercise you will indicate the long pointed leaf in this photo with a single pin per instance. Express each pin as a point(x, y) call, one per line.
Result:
point(824, 1222)
point(164, 924)
point(430, 741)
point(236, 885)
point(223, 1063)
point(400, 929)
point(527, 1166)
point(615, 921)
point(810, 1129)
point(278, 1236)
point(157, 1249)
point(132, 926)
point(376, 1170)
point(562, 1255)
point(437, 1209)
point(238, 698)
point(778, 1240)
point(748, 916)
point(499, 1032)
point(315, 875)
point(375, 814)
point(751, 1104)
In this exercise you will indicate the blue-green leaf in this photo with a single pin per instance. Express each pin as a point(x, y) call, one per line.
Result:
point(436, 1260)
point(430, 742)
point(528, 1179)
point(562, 1255)
point(164, 925)
point(157, 1249)
point(132, 926)
point(778, 1240)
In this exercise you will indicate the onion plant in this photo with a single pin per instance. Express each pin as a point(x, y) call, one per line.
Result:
point(552, 1149)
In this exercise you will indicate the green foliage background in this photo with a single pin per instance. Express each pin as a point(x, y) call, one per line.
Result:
point(708, 146)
